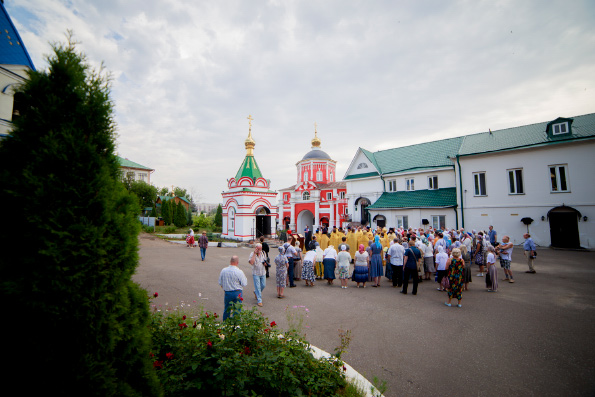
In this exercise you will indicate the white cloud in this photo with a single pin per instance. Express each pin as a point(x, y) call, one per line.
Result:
point(371, 74)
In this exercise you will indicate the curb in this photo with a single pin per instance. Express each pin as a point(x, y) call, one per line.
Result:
point(354, 376)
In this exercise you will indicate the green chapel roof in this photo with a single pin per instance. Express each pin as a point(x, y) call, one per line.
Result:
point(249, 168)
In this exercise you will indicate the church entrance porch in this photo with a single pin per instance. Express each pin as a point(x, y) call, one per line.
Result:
point(305, 218)
point(362, 204)
point(263, 222)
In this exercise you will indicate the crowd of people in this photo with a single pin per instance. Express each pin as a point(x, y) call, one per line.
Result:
point(364, 256)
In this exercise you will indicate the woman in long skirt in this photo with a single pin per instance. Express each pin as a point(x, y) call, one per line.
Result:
point(343, 259)
point(281, 265)
point(329, 262)
point(467, 272)
point(297, 262)
point(308, 268)
point(360, 272)
point(456, 265)
point(492, 276)
point(376, 262)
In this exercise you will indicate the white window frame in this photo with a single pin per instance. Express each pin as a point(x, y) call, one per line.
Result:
point(433, 182)
point(477, 185)
point(439, 222)
point(403, 221)
point(329, 196)
point(556, 178)
point(410, 184)
point(306, 195)
point(512, 176)
point(559, 127)
point(341, 195)
point(318, 176)
point(392, 185)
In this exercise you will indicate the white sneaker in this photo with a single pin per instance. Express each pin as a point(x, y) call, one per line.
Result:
point(479, 275)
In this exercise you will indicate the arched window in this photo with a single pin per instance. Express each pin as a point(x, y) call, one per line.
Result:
point(306, 196)
point(232, 219)
point(362, 165)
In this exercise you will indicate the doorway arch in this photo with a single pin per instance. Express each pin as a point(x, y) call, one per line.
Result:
point(263, 222)
point(380, 220)
point(362, 204)
point(305, 218)
point(564, 227)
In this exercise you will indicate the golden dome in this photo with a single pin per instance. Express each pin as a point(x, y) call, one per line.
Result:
point(315, 141)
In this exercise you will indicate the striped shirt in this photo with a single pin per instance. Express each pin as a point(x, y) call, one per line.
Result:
point(232, 278)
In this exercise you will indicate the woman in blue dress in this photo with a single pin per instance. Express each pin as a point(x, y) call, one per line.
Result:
point(360, 273)
point(376, 262)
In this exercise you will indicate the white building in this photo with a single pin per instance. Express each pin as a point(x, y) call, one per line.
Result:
point(135, 171)
point(14, 65)
point(248, 206)
point(537, 175)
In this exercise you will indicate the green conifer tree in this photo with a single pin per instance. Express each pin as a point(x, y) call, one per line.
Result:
point(166, 211)
point(219, 216)
point(181, 218)
point(75, 323)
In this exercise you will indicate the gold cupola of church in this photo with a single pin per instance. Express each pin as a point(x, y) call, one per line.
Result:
point(315, 141)
point(249, 142)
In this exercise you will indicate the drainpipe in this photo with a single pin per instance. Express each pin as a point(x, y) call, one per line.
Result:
point(461, 194)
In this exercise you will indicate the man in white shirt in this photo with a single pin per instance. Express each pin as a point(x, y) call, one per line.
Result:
point(395, 257)
point(233, 280)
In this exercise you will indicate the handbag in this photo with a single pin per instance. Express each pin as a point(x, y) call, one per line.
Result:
point(445, 283)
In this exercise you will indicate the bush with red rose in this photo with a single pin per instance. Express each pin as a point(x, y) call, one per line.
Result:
point(244, 356)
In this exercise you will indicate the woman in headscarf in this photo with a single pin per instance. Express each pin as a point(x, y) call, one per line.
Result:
point(190, 239)
point(329, 262)
point(297, 261)
point(360, 272)
point(308, 268)
point(466, 256)
point(343, 260)
point(428, 251)
point(376, 261)
point(455, 266)
point(479, 248)
point(492, 274)
point(281, 265)
point(441, 266)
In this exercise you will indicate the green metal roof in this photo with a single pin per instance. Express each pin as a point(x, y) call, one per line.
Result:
point(249, 168)
point(166, 198)
point(357, 176)
point(371, 157)
point(582, 127)
point(131, 164)
point(446, 197)
point(417, 157)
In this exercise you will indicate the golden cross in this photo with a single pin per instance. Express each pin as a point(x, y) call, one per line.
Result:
point(250, 120)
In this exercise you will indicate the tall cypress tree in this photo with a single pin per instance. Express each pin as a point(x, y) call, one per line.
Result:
point(75, 323)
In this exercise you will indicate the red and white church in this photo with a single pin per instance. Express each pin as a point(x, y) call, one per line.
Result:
point(317, 200)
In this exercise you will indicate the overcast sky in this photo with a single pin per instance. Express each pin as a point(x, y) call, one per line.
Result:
point(371, 74)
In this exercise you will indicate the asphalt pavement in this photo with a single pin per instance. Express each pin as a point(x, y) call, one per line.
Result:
point(533, 337)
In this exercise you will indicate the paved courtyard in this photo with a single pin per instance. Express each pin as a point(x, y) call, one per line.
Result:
point(534, 337)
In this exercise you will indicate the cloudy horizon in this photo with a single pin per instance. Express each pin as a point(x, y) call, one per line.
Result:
point(373, 74)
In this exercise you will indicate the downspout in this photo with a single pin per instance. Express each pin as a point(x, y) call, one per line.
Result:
point(383, 191)
point(461, 194)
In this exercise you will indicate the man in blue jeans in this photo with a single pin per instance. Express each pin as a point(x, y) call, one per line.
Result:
point(203, 243)
point(233, 280)
point(256, 260)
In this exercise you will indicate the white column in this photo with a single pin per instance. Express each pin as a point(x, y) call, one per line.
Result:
point(316, 212)
point(331, 214)
point(292, 221)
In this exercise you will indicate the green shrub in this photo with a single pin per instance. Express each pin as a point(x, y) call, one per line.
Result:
point(71, 250)
point(244, 356)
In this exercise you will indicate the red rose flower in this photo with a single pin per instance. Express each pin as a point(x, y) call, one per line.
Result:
point(241, 299)
point(273, 324)
point(209, 344)
point(344, 368)
point(246, 350)
point(183, 325)
point(151, 355)
point(169, 355)
point(184, 317)
point(266, 330)
point(155, 295)
point(194, 325)
point(158, 364)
